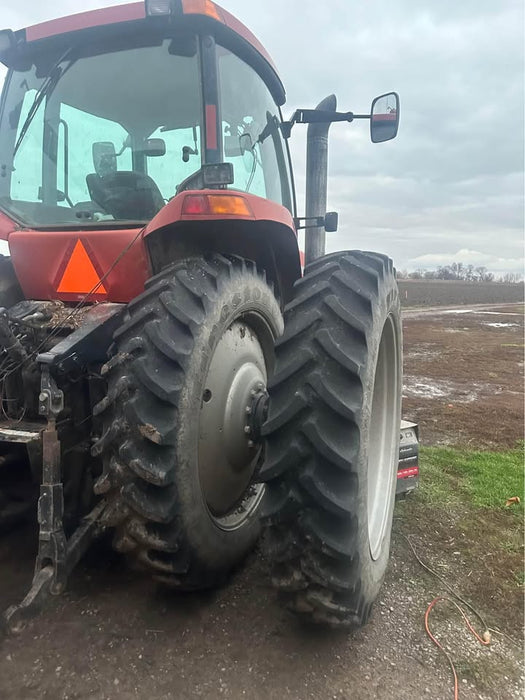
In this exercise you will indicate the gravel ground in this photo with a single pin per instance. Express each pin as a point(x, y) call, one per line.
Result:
point(115, 636)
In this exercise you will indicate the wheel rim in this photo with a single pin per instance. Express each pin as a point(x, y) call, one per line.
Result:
point(228, 450)
point(383, 438)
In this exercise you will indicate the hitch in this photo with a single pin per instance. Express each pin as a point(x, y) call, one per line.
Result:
point(57, 556)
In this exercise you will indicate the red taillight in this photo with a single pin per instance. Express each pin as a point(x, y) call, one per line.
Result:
point(195, 204)
point(408, 471)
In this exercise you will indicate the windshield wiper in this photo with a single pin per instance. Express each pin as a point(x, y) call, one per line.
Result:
point(44, 91)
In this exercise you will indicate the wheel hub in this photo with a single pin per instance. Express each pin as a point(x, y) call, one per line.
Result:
point(257, 411)
point(232, 411)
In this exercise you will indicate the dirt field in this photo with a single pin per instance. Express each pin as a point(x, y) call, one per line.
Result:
point(451, 292)
point(114, 635)
point(464, 375)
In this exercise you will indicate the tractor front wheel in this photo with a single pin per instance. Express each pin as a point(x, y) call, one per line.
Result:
point(186, 392)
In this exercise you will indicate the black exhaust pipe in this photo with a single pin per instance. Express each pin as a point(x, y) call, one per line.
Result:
point(316, 180)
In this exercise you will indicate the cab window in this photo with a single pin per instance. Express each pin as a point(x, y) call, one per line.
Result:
point(251, 135)
point(181, 159)
point(78, 131)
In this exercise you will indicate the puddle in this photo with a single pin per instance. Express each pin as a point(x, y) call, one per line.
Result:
point(498, 313)
point(415, 387)
point(498, 324)
point(427, 388)
point(456, 311)
point(476, 312)
point(422, 354)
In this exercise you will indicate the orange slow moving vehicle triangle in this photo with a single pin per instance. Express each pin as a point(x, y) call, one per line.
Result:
point(80, 276)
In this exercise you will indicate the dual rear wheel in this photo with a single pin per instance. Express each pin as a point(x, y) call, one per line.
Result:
point(195, 456)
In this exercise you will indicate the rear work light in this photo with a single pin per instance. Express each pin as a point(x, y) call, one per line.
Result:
point(159, 8)
point(216, 205)
point(156, 8)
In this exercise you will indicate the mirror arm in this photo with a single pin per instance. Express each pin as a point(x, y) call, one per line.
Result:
point(286, 127)
point(315, 116)
point(302, 222)
point(329, 221)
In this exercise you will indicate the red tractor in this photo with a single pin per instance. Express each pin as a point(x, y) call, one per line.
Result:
point(167, 372)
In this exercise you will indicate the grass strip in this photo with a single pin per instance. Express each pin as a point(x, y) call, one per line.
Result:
point(484, 479)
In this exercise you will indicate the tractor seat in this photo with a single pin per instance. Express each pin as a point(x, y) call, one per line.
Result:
point(126, 194)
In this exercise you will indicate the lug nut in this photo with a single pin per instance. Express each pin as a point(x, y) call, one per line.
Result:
point(247, 429)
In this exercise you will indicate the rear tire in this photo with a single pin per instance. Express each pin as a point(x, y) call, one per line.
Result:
point(17, 501)
point(179, 456)
point(10, 291)
point(332, 438)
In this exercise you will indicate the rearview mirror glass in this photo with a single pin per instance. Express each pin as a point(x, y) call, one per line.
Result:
point(384, 117)
point(154, 147)
point(104, 158)
point(245, 143)
point(247, 151)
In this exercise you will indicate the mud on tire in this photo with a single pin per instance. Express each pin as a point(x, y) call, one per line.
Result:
point(332, 438)
point(202, 332)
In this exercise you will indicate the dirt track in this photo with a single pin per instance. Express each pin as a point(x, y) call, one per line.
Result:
point(113, 635)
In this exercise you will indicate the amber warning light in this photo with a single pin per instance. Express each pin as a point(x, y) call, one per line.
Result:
point(216, 204)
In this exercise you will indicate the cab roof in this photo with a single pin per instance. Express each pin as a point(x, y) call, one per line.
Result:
point(206, 14)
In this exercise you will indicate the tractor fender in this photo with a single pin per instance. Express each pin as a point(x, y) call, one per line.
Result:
point(265, 233)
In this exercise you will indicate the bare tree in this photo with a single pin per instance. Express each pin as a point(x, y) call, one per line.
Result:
point(511, 278)
point(483, 275)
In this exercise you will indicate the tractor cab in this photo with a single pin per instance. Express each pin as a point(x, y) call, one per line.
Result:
point(105, 116)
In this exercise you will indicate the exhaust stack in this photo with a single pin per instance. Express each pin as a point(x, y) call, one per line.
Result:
point(316, 180)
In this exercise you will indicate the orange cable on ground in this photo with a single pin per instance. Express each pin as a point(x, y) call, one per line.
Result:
point(484, 640)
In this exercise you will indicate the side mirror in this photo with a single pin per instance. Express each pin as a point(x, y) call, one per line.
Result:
point(232, 148)
point(7, 47)
point(248, 154)
point(245, 143)
point(154, 147)
point(384, 117)
point(104, 158)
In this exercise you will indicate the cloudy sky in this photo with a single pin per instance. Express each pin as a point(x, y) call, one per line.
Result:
point(450, 187)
